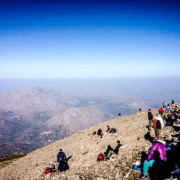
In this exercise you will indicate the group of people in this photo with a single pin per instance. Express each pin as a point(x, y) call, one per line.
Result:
point(99, 132)
point(163, 151)
point(167, 116)
point(63, 161)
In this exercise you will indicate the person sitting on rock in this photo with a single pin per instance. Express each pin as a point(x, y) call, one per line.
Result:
point(99, 132)
point(61, 158)
point(169, 120)
point(113, 130)
point(168, 109)
point(164, 104)
point(115, 151)
point(108, 128)
point(157, 156)
point(109, 148)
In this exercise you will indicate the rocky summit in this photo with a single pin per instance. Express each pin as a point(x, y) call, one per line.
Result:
point(85, 147)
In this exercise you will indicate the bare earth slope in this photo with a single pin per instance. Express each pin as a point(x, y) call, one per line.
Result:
point(130, 131)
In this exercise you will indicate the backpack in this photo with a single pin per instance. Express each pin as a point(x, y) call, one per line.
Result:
point(100, 157)
point(61, 157)
point(158, 124)
point(47, 170)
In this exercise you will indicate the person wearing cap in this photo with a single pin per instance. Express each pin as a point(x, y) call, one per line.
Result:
point(115, 151)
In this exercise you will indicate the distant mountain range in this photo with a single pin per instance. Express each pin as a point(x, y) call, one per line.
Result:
point(35, 117)
point(32, 118)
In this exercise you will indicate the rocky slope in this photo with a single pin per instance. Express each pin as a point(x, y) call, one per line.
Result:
point(131, 130)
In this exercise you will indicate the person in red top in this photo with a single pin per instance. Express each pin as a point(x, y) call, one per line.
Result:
point(161, 110)
point(108, 128)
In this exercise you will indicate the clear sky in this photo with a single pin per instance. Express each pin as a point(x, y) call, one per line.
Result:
point(89, 38)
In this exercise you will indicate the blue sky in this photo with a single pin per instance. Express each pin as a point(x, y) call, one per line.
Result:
point(125, 38)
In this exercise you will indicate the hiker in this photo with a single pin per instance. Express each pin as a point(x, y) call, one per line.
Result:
point(61, 158)
point(99, 133)
point(164, 104)
point(119, 114)
point(108, 128)
point(177, 117)
point(161, 110)
point(168, 109)
point(172, 102)
point(115, 151)
point(158, 125)
point(113, 130)
point(139, 109)
point(150, 118)
point(157, 156)
point(169, 120)
point(176, 107)
point(109, 148)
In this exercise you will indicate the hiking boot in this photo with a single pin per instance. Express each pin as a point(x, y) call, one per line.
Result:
point(143, 177)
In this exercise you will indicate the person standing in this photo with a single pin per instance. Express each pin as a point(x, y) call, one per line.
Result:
point(158, 125)
point(150, 118)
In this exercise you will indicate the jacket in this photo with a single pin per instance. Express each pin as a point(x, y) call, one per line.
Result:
point(61, 157)
point(150, 116)
point(99, 132)
point(108, 129)
point(159, 123)
point(116, 150)
point(157, 152)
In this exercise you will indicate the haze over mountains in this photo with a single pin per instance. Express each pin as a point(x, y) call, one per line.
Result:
point(34, 117)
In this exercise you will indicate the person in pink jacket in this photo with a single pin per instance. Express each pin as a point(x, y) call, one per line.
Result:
point(156, 156)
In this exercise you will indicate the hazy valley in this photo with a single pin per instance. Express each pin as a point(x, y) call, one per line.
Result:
point(36, 117)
